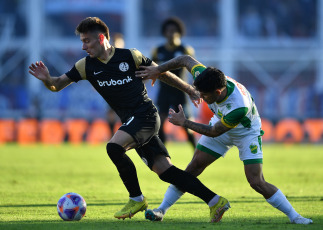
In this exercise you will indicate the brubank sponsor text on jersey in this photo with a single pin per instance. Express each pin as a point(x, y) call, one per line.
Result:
point(115, 82)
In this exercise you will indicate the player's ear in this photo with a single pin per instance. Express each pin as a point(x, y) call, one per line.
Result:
point(101, 38)
point(218, 91)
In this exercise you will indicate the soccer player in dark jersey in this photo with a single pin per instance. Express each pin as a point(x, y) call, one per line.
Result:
point(169, 97)
point(111, 71)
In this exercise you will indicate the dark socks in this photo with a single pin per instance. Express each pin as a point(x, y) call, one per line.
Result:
point(187, 182)
point(126, 168)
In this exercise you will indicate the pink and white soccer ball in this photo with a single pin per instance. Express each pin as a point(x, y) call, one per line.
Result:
point(71, 206)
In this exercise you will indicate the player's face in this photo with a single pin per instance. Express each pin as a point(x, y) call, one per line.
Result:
point(91, 44)
point(208, 97)
point(211, 97)
point(171, 33)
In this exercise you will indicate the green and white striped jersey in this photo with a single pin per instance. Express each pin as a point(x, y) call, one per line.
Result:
point(237, 110)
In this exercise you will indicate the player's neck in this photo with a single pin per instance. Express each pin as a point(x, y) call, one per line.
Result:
point(223, 95)
point(106, 52)
point(172, 44)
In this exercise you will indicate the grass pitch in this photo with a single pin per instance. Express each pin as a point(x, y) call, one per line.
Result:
point(33, 178)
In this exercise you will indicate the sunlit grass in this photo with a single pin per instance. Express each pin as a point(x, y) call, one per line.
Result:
point(33, 178)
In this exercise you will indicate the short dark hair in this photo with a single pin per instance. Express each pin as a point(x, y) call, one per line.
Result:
point(93, 24)
point(209, 80)
point(176, 22)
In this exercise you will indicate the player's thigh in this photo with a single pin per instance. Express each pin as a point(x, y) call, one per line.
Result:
point(141, 128)
point(123, 139)
point(250, 148)
point(199, 162)
point(215, 146)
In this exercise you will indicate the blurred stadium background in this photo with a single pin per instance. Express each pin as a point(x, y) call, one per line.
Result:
point(273, 47)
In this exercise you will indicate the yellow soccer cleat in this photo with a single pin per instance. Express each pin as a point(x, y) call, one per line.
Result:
point(217, 210)
point(131, 208)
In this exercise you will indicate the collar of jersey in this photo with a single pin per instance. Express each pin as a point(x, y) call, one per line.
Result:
point(109, 57)
point(230, 88)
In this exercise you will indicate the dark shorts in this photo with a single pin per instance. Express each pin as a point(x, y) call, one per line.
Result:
point(144, 130)
point(142, 127)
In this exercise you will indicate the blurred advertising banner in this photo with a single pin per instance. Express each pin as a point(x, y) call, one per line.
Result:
point(76, 131)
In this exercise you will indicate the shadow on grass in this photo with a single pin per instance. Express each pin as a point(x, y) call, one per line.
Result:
point(169, 223)
point(154, 202)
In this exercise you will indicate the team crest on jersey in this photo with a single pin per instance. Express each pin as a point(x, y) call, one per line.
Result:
point(228, 106)
point(253, 148)
point(124, 66)
point(196, 74)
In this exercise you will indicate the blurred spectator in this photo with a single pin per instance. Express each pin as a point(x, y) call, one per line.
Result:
point(277, 18)
point(200, 17)
point(274, 19)
point(251, 23)
point(169, 97)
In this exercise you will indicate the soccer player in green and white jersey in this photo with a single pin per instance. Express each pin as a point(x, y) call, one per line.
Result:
point(236, 122)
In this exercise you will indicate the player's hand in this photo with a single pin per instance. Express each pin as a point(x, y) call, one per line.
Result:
point(148, 72)
point(195, 97)
point(40, 71)
point(177, 118)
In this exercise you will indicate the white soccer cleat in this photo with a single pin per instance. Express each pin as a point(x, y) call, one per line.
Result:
point(301, 220)
point(154, 215)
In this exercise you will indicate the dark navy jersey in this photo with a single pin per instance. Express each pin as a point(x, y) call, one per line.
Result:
point(115, 81)
point(162, 54)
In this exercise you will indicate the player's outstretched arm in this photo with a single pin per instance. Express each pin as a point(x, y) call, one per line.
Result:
point(173, 80)
point(55, 84)
point(152, 72)
point(179, 119)
point(186, 61)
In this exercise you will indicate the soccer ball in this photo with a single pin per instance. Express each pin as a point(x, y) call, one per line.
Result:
point(71, 206)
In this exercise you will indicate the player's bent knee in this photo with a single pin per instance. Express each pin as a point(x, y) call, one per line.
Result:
point(154, 154)
point(256, 185)
point(114, 150)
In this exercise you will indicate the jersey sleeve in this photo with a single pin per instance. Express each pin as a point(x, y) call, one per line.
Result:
point(233, 118)
point(139, 58)
point(78, 72)
point(197, 69)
